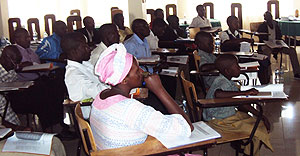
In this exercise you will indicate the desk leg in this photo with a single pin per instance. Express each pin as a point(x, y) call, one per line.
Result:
point(295, 42)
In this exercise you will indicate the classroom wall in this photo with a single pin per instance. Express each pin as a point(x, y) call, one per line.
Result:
point(3, 18)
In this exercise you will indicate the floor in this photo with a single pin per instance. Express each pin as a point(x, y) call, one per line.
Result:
point(284, 117)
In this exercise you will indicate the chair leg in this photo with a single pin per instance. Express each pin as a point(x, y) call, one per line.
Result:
point(79, 148)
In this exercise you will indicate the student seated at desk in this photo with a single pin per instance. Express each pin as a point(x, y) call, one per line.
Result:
point(270, 26)
point(205, 45)
point(231, 38)
point(123, 30)
point(118, 120)
point(227, 118)
point(163, 31)
point(50, 46)
point(109, 35)
point(158, 13)
point(173, 21)
point(80, 79)
point(89, 31)
point(29, 57)
point(200, 21)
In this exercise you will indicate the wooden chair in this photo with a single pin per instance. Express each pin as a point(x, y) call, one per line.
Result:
point(269, 7)
point(239, 6)
point(195, 114)
point(47, 25)
point(151, 12)
point(75, 12)
point(71, 20)
point(115, 10)
point(34, 21)
point(12, 28)
point(169, 7)
point(193, 32)
point(211, 9)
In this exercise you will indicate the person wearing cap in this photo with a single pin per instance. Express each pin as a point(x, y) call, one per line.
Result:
point(118, 120)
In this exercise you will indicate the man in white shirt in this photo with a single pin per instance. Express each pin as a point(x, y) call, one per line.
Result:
point(80, 79)
point(109, 35)
point(200, 21)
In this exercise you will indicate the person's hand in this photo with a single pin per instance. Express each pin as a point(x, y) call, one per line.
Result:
point(267, 123)
point(252, 91)
point(153, 83)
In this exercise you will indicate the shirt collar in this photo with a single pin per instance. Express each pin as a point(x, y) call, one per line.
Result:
point(236, 33)
point(139, 40)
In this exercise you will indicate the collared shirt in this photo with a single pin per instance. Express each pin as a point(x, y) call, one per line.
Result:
point(96, 53)
point(50, 47)
point(124, 33)
point(221, 82)
point(224, 36)
point(199, 22)
point(152, 41)
point(10, 76)
point(206, 58)
point(81, 81)
point(138, 48)
point(28, 55)
point(118, 121)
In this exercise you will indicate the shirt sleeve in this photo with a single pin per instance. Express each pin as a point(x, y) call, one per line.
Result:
point(131, 48)
point(223, 36)
point(194, 23)
point(154, 123)
point(45, 50)
point(80, 86)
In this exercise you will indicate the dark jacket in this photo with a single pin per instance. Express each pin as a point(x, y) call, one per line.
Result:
point(96, 38)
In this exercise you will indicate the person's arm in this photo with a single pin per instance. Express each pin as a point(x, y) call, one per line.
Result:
point(153, 83)
point(227, 94)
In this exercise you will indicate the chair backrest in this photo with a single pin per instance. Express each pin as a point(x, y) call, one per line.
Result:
point(211, 8)
point(34, 21)
point(193, 32)
point(87, 137)
point(269, 7)
point(254, 26)
point(239, 6)
point(194, 111)
point(197, 60)
point(168, 10)
point(12, 28)
point(115, 10)
point(151, 12)
point(47, 25)
point(71, 20)
point(75, 12)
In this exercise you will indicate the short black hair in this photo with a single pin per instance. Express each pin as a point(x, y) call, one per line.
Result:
point(225, 61)
point(156, 11)
point(19, 31)
point(198, 6)
point(86, 18)
point(137, 22)
point(117, 16)
point(171, 17)
point(71, 41)
point(231, 18)
point(159, 23)
point(57, 25)
point(106, 29)
point(200, 35)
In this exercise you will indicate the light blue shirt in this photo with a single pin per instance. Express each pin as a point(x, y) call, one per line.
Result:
point(138, 48)
point(206, 58)
point(50, 47)
point(221, 82)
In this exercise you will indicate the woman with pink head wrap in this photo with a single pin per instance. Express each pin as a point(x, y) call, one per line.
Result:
point(118, 120)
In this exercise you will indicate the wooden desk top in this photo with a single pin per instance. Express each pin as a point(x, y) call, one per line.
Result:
point(206, 103)
point(237, 53)
point(253, 32)
point(152, 147)
point(164, 50)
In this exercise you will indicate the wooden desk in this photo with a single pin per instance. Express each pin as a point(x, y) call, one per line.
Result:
point(237, 53)
point(153, 147)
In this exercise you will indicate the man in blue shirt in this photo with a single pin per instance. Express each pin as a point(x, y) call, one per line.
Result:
point(50, 46)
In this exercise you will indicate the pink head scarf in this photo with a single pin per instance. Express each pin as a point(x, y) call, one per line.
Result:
point(114, 64)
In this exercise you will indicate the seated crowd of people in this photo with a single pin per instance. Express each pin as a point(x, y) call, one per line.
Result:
point(102, 65)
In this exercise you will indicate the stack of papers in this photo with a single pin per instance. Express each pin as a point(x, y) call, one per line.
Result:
point(248, 65)
point(153, 58)
point(266, 91)
point(183, 59)
point(201, 132)
point(44, 66)
point(41, 146)
point(4, 132)
point(276, 44)
point(171, 71)
point(7, 86)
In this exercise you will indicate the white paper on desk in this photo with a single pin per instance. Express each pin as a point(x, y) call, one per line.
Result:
point(4, 132)
point(275, 89)
point(43, 66)
point(245, 47)
point(182, 59)
point(201, 132)
point(249, 64)
point(256, 56)
point(6, 86)
point(42, 146)
point(153, 58)
point(276, 44)
point(171, 71)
